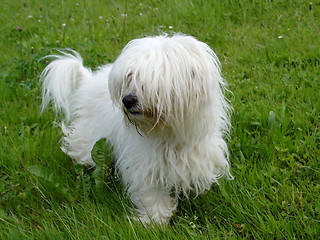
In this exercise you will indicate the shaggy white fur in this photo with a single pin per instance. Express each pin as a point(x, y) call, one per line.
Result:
point(160, 105)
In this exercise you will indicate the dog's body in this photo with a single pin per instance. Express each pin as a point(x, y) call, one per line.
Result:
point(161, 107)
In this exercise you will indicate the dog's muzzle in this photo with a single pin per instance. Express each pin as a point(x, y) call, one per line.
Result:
point(131, 104)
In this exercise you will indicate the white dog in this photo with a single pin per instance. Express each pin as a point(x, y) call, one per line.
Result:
point(162, 108)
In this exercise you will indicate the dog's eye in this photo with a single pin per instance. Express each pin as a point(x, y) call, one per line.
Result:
point(129, 75)
point(128, 79)
point(193, 75)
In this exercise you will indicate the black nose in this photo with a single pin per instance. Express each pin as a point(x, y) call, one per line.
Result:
point(130, 101)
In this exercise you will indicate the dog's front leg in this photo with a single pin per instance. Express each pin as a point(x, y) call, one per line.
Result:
point(154, 204)
point(78, 143)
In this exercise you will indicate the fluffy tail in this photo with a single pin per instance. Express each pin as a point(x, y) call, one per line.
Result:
point(59, 80)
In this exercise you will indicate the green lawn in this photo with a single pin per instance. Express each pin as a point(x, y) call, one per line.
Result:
point(270, 55)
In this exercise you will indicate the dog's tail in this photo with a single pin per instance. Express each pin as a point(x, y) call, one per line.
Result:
point(60, 79)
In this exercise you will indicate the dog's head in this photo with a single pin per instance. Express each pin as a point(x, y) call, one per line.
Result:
point(168, 86)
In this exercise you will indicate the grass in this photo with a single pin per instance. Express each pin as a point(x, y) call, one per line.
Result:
point(270, 54)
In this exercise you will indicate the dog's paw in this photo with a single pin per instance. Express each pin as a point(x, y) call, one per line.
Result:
point(90, 166)
point(149, 221)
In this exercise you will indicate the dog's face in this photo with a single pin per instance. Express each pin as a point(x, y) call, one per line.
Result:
point(166, 84)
